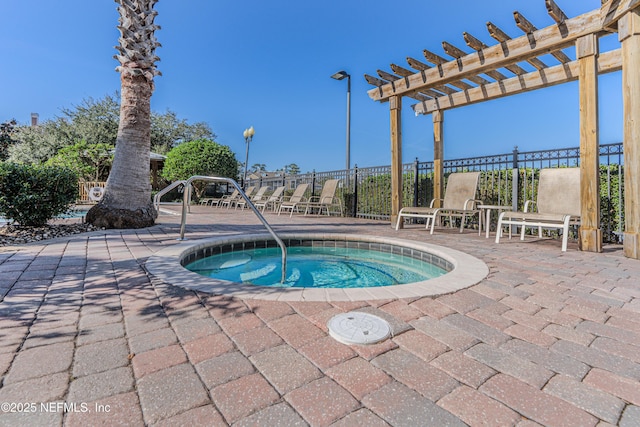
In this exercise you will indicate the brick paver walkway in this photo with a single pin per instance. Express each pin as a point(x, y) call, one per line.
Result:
point(88, 338)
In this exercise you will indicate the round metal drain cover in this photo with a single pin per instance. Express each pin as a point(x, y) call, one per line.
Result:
point(358, 328)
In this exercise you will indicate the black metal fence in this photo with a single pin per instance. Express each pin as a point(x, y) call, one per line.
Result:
point(506, 179)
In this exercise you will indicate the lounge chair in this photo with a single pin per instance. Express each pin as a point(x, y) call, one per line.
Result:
point(255, 198)
point(272, 201)
point(558, 205)
point(459, 201)
point(219, 201)
point(236, 197)
point(326, 200)
point(296, 199)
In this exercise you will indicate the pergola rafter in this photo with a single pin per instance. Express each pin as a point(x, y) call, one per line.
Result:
point(452, 83)
point(502, 37)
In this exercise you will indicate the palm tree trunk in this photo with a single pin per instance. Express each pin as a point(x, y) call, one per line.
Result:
point(127, 197)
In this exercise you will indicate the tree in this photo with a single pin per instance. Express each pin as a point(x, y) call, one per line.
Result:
point(201, 157)
point(259, 167)
point(167, 131)
point(292, 169)
point(89, 161)
point(35, 144)
point(96, 121)
point(6, 139)
point(127, 199)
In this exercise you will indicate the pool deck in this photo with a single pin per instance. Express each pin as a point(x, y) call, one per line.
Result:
point(87, 337)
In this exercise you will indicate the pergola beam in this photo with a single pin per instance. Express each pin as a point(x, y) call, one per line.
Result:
point(502, 37)
point(401, 71)
point(420, 66)
point(555, 12)
point(451, 50)
point(438, 60)
point(607, 62)
point(420, 96)
point(477, 45)
point(529, 29)
point(548, 39)
point(613, 10)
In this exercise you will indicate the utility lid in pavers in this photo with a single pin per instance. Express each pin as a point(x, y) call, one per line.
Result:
point(358, 328)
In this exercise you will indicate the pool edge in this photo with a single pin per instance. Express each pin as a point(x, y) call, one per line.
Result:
point(468, 271)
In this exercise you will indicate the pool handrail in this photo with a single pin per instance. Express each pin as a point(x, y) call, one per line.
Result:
point(187, 197)
point(159, 194)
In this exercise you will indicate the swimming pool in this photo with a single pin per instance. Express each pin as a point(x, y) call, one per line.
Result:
point(463, 269)
point(71, 214)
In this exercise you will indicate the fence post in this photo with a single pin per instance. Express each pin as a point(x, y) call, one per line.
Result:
point(416, 182)
point(514, 178)
point(355, 191)
point(313, 183)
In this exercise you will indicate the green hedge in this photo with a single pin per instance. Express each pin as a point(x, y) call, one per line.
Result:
point(31, 195)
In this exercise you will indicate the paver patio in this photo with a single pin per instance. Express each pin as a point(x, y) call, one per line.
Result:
point(87, 337)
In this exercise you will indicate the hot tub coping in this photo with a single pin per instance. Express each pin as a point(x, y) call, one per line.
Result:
point(166, 266)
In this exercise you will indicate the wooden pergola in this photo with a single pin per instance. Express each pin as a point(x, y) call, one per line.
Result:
point(439, 83)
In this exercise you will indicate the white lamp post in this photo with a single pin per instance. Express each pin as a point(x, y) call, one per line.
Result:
point(248, 136)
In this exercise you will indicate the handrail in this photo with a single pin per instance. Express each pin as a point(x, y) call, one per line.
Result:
point(159, 194)
point(185, 203)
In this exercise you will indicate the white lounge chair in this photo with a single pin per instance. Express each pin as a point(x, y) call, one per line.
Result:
point(272, 201)
point(459, 201)
point(326, 200)
point(255, 198)
point(297, 198)
point(558, 205)
point(236, 197)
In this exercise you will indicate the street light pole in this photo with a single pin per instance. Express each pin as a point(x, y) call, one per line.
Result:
point(248, 136)
point(341, 75)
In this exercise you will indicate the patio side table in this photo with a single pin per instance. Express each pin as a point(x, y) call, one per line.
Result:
point(485, 214)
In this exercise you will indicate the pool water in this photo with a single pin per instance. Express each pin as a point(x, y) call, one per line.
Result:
point(316, 267)
point(74, 213)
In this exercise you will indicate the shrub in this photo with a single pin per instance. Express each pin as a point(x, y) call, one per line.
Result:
point(201, 157)
point(32, 194)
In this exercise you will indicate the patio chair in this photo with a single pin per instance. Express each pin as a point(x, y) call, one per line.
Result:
point(459, 201)
point(326, 200)
point(236, 197)
point(219, 201)
point(272, 201)
point(557, 206)
point(296, 199)
point(255, 198)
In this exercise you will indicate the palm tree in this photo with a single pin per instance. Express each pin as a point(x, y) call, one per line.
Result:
point(127, 198)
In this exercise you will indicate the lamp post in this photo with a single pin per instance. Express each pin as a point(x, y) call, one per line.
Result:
point(248, 136)
point(341, 75)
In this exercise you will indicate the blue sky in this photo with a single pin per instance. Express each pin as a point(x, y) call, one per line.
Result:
point(241, 63)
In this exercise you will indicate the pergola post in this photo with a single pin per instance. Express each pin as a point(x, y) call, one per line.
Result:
point(438, 156)
point(395, 107)
point(629, 35)
point(590, 232)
